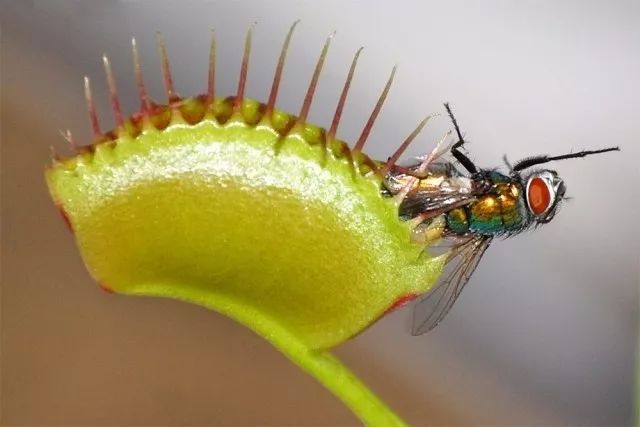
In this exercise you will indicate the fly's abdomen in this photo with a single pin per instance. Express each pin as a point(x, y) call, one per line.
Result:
point(481, 217)
point(486, 216)
point(499, 212)
point(458, 220)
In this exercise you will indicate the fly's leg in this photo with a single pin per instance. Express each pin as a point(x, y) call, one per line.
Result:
point(462, 158)
point(455, 149)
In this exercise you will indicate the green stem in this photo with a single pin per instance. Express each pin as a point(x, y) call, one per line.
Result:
point(344, 384)
point(321, 364)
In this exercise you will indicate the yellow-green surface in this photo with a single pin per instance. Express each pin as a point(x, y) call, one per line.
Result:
point(272, 231)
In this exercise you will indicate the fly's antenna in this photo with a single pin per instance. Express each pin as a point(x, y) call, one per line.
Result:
point(538, 160)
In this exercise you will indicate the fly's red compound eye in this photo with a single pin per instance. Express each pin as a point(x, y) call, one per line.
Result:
point(538, 196)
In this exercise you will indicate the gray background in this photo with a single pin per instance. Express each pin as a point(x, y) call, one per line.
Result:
point(544, 334)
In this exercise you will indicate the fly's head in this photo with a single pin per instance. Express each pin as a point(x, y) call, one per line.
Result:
point(544, 191)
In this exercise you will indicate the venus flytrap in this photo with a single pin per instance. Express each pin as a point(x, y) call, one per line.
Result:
point(250, 211)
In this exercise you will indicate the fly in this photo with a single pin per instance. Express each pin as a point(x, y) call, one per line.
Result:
point(468, 208)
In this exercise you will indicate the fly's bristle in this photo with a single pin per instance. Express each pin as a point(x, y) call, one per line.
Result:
point(278, 73)
point(145, 105)
point(113, 93)
point(374, 114)
point(343, 97)
point(242, 81)
point(91, 108)
point(211, 76)
point(435, 153)
point(166, 70)
point(306, 105)
point(396, 155)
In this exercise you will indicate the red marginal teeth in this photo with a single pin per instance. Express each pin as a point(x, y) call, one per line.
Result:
point(244, 69)
point(195, 110)
point(278, 73)
point(374, 114)
point(394, 158)
point(93, 115)
point(306, 105)
point(166, 70)
point(65, 217)
point(106, 288)
point(115, 101)
point(343, 97)
point(211, 76)
point(145, 105)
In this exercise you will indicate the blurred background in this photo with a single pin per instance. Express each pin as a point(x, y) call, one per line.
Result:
point(544, 334)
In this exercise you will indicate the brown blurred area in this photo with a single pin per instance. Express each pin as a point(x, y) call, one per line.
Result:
point(72, 354)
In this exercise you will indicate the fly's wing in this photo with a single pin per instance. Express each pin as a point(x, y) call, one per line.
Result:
point(434, 306)
point(440, 188)
point(433, 200)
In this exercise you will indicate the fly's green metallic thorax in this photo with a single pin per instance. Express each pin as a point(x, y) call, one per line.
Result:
point(491, 214)
point(501, 210)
